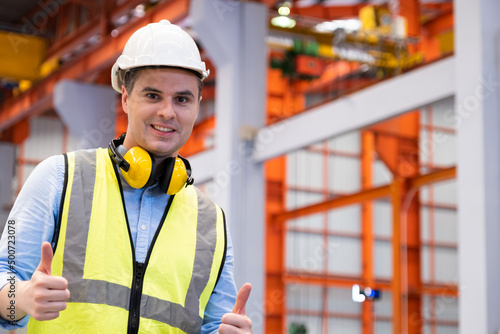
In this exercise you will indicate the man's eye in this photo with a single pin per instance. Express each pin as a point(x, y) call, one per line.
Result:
point(182, 99)
point(152, 96)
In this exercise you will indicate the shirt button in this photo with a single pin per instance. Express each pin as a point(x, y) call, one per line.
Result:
point(146, 192)
point(143, 227)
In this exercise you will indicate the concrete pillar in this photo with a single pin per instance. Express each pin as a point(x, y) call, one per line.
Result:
point(233, 34)
point(477, 49)
point(88, 111)
point(7, 152)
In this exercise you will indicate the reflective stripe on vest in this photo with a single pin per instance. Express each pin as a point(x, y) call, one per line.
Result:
point(97, 259)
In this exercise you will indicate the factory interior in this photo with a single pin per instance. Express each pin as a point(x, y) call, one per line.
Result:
point(352, 144)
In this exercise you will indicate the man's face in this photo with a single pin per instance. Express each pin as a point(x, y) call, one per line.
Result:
point(161, 109)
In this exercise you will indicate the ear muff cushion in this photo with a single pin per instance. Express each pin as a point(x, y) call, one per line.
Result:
point(179, 177)
point(174, 176)
point(142, 167)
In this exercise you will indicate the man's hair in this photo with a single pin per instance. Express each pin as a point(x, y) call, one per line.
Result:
point(132, 75)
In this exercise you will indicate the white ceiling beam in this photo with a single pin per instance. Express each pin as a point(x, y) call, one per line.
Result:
point(384, 100)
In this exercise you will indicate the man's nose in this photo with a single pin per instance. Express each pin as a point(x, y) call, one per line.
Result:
point(167, 110)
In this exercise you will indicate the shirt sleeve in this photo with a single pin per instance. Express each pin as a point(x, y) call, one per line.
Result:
point(223, 297)
point(31, 222)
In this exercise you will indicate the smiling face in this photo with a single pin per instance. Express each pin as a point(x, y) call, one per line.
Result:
point(162, 108)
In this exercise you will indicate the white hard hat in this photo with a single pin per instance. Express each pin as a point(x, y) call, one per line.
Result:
point(158, 44)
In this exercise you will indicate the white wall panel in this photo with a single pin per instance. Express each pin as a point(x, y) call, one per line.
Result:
point(383, 327)
point(340, 300)
point(297, 199)
point(45, 138)
point(446, 227)
point(344, 256)
point(345, 219)
point(383, 259)
point(443, 112)
point(443, 192)
point(382, 218)
point(312, 221)
point(445, 224)
point(304, 297)
point(304, 251)
point(344, 174)
point(344, 326)
point(383, 306)
point(381, 174)
point(445, 264)
point(305, 169)
point(348, 142)
point(444, 308)
point(312, 323)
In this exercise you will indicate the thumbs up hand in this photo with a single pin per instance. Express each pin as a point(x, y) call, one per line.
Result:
point(237, 321)
point(44, 296)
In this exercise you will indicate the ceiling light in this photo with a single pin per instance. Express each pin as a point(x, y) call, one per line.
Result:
point(284, 11)
point(283, 22)
point(329, 26)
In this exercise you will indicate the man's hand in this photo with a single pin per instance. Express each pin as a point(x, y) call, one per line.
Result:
point(238, 322)
point(44, 296)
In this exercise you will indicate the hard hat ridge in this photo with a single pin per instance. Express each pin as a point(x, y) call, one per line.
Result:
point(158, 44)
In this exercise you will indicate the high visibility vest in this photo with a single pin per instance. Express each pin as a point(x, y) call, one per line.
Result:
point(110, 291)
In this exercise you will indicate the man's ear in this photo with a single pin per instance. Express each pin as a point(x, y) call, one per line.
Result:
point(124, 99)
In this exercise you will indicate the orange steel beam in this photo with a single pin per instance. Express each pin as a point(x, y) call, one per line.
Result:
point(80, 35)
point(39, 98)
point(367, 153)
point(371, 194)
point(335, 203)
point(434, 177)
point(314, 278)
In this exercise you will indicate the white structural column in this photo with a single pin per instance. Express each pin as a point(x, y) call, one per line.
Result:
point(477, 45)
point(88, 111)
point(233, 34)
point(7, 163)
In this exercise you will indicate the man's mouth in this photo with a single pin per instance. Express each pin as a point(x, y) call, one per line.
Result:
point(160, 128)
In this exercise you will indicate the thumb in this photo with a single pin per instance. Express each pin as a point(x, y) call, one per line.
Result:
point(46, 260)
point(241, 299)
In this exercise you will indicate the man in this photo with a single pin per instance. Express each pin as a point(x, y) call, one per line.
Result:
point(127, 243)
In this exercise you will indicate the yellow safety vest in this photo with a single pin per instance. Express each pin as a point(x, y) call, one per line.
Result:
point(110, 291)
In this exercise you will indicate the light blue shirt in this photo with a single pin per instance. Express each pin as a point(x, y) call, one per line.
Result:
point(35, 212)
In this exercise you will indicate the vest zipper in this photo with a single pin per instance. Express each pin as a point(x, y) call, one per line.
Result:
point(135, 297)
point(139, 268)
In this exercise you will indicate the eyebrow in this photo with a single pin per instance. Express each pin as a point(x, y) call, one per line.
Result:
point(151, 89)
point(186, 92)
point(154, 90)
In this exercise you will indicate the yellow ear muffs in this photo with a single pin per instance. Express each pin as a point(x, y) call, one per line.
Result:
point(142, 169)
point(176, 175)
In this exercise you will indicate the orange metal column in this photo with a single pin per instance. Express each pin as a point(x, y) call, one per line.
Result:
point(275, 284)
point(412, 289)
point(410, 10)
point(397, 145)
point(397, 313)
point(367, 151)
